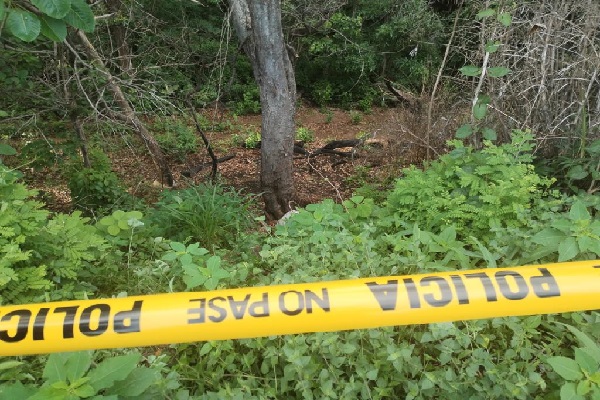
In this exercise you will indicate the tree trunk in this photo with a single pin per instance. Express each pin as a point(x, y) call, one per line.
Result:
point(128, 115)
point(118, 33)
point(258, 26)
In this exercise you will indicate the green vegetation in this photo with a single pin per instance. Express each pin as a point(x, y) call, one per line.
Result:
point(469, 209)
point(175, 138)
point(305, 135)
point(497, 195)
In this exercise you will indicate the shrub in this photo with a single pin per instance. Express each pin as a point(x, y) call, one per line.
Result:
point(305, 135)
point(93, 190)
point(252, 140)
point(175, 138)
point(209, 214)
point(38, 254)
point(475, 191)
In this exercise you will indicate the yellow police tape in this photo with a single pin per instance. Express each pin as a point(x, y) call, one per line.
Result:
point(300, 308)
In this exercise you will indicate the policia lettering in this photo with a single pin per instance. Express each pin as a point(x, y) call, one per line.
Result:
point(299, 308)
point(123, 321)
point(512, 285)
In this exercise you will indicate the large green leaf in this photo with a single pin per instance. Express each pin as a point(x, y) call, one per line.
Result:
point(2, 10)
point(23, 25)
point(579, 212)
point(53, 8)
point(480, 110)
point(464, 131)
point(54, 29)
point(77, 364)
point(137, 382)
point(112, 370)
point(567, 249)
point(566, 368)
point(81, 16)
point(498, 72)
point(505, 19)
point(54, 370)
point(489, 134)
point(470, 70)
point(549, 237)
point(7, 150)
point(488, 12)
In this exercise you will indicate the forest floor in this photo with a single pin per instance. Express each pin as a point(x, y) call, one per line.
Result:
point(397, 134)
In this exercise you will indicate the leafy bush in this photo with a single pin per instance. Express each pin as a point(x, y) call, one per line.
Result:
point(252, 139)
point(577, 170)
point(475, 191)
point(209, 214)
point(305, 135)
point(78, 375)
point(96, 190)
point(492, 359)
point(39, 254)
point(175, 138)
point(581, 372)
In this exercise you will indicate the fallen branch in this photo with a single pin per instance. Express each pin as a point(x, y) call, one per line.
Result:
point(194, 170)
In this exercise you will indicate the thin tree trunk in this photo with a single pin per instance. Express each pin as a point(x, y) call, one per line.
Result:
point(258, 26)
point(128, 115)
point(118, 33)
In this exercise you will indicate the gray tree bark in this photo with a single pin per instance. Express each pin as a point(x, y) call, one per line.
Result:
point(258, 27)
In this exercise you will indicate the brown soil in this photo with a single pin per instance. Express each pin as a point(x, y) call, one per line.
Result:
point(396, 131)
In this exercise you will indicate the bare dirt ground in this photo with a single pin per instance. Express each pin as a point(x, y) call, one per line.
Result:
point(399, 137)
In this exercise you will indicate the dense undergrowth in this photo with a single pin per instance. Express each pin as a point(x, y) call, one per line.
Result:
point(468, 209)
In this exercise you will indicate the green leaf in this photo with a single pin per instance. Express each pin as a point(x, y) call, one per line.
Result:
point(587, 243)
point(192, 276)
point(2, 10)
point(568, 391)
point(498, 72)
point(178, 247)
point(567, 249)
point(566, 368)
point(53, 8)
point(135, 214)
point(549, 237)
point(464, 131)
point(170, 256)
point(470, 70)
point(480, 110)
point(505, 19)
point(215, 272)
point(81, 16)
point(577, 172)
point(123, 224)
point(594, 147)
point(186, 259)
point(84, 391)
point(6, 150)
point(591, 347)
point(488, 12)
point(492, 46)
point(113, 230)
point(584, 387)
point(586, 361)
point(10, 364)
point(77, 365)
point(54, 370)
point(112, 369)
point(489, 134)
point(23, 25)
point(579, 212)
point(136, 383)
